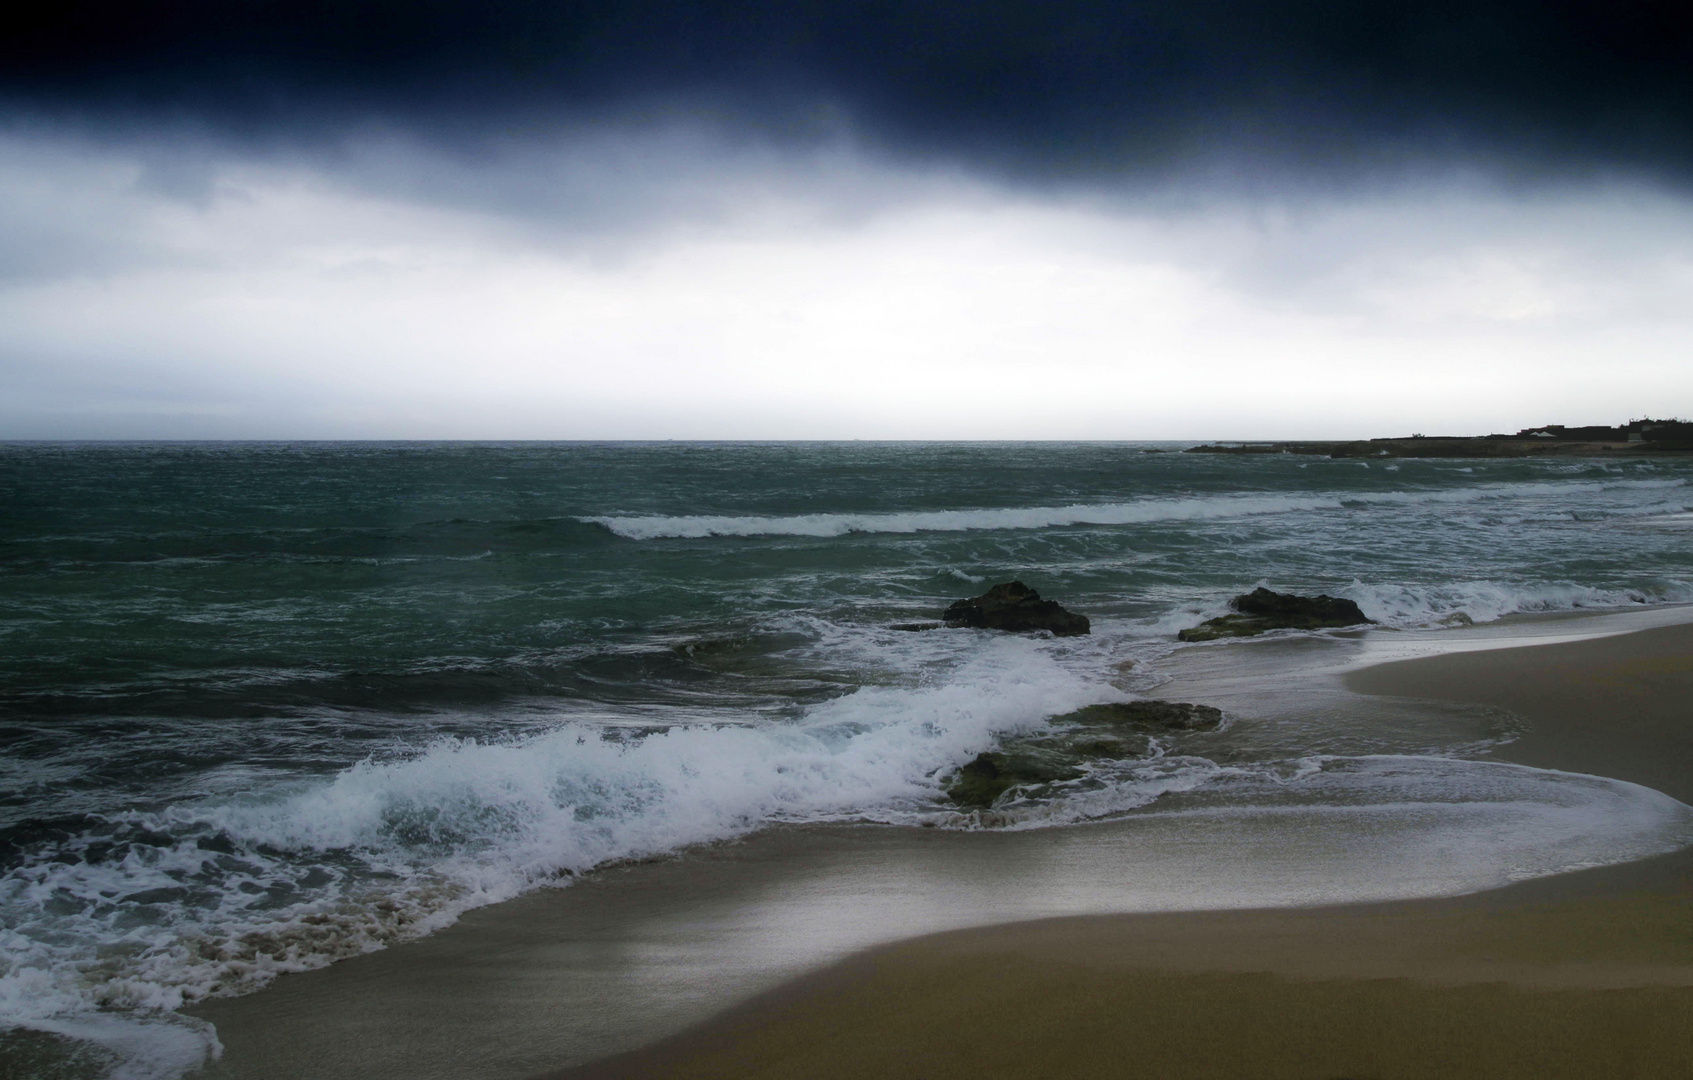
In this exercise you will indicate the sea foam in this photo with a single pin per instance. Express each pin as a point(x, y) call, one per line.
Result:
point(141, 912)
point(1415, 606)
point(1139, 511)
point(108, 930)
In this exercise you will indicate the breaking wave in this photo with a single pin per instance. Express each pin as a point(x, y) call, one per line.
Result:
point(113, 922)
point(1464, 602)
point(141, 912)
point(1139, 511)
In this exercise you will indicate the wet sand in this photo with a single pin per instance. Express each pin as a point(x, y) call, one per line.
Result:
point(1617, 706)
point(1583, 974)
point(1587, 974)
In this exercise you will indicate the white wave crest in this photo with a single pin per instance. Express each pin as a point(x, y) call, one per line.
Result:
point(1041, 517)
point(202, 900)
point(1412, 606)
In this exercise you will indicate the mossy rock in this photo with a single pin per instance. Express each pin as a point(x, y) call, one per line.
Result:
point(1108, 749)
point(1232, 626)
point(1143, 715)
point(981, 782)
point(1096, 733)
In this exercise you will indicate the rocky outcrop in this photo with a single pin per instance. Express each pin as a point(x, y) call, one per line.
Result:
point(1261, 610)
point(1109, 732)
point(989, 776)
point(1147, 715)
point(1016, 607)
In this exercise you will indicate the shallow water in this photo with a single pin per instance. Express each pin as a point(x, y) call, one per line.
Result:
point(267, 706)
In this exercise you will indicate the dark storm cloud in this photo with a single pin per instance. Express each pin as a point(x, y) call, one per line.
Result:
point(1031, 87)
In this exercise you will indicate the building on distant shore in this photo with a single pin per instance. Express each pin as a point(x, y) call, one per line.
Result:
point(1644, 430)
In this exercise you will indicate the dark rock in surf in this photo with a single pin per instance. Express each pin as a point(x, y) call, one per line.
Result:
point(1261, 610)
point(915, 627)
point(1093, 734)
point(1143, 715)
point(1016, 607)
point(1109, 749)
point(1286, 607)
point(989, 776)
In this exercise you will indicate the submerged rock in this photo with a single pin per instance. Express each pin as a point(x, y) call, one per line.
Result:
point(1110, 749)
point(1110, 732)
point(915, 627)
point(989, 776)
point(1167, 715)
point(1261, 610)
point(1016, 607)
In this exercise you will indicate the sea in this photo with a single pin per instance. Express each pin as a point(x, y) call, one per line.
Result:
point(266, 706)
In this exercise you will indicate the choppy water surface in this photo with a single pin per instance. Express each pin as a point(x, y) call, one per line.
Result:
point(265, 706)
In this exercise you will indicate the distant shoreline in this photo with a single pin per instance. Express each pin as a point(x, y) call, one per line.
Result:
point(1481, 446)
point(1641, 438)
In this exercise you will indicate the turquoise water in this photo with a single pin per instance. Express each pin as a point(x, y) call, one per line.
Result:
point(266, 705)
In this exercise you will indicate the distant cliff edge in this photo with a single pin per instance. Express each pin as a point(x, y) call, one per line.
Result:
point(1634, 437)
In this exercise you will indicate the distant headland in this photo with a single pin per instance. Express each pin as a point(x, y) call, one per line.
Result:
point(1635, 437)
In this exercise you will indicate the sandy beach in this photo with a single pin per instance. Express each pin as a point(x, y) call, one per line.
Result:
point(875, 952)
point(1582, 975)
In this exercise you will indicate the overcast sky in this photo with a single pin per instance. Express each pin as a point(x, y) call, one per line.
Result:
point(843, 218)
